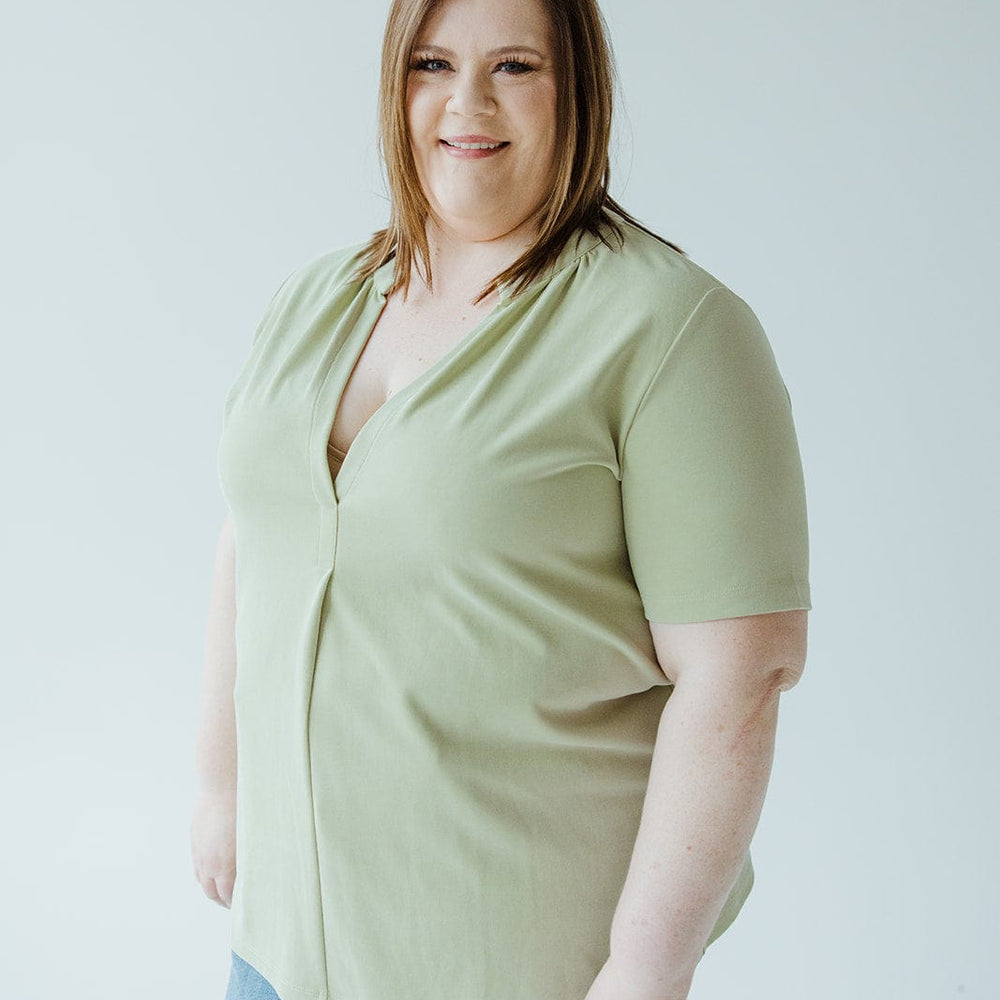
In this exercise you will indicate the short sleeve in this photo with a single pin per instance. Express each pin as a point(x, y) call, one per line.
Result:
point(267, 322)
point(270, 311)
point(712, 491)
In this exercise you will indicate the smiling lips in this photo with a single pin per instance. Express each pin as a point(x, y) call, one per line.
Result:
point(472, 147)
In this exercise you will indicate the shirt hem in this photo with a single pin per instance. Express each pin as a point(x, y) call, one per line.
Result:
point(284, 989)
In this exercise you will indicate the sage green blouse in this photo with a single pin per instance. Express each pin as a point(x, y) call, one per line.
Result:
point(447, 694)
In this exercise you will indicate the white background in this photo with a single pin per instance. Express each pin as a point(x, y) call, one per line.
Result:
point(835, 163)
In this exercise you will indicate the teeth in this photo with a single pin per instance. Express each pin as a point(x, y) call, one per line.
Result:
point(474, 145)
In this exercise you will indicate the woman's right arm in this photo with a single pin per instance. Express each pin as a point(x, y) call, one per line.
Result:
point(213, 826)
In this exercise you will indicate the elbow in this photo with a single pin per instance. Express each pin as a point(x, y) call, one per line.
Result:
point(781, 660)
point(784, 678)
point(786, 669)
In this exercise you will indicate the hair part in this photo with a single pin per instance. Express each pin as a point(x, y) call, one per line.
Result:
point(579, 197)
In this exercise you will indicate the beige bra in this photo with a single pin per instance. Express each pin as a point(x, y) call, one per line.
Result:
point(335, 457)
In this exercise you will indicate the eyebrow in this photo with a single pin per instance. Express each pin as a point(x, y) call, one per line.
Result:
point(502, 50)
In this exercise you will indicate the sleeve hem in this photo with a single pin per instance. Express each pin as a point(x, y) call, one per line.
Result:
point(736, 602)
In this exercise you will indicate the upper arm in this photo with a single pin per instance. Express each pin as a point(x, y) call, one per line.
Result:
point(713, 498)
point(748, 653)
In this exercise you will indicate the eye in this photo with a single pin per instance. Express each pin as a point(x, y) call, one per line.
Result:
point(429, 65)
point(515, 67)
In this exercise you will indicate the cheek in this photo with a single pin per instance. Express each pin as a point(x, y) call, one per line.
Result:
point(412, 112)
point(417, 122)
point(419, 109)
point(540, 109)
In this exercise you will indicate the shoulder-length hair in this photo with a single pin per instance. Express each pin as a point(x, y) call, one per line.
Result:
point(579, 198)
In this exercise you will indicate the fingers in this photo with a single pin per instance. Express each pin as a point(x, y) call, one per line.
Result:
point(224, 889)
point(218, 890)
point(213, 849)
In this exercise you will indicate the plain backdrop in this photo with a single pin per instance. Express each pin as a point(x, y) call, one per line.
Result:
point(164, 166)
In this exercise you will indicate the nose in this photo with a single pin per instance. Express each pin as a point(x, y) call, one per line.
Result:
point(471, 95)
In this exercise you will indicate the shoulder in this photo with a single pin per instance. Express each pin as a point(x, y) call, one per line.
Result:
point(649, 271)
point(650, 294)
point(319, 282)
point(320, 275)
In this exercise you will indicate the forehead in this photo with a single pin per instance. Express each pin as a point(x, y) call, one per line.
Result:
point(496, 22)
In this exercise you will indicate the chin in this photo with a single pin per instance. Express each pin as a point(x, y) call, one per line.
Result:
point(468, 219)
point(470, 222)
point(477, 230)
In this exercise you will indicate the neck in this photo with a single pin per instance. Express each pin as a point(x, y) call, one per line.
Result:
point(460, 267)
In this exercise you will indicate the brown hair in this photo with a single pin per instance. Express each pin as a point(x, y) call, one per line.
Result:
point(579, 198)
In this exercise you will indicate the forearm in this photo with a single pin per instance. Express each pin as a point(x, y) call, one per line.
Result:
point(215, 752)
point(708, 776)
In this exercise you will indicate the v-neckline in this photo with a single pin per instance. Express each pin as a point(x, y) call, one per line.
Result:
point(327, 403)
point(375, 290)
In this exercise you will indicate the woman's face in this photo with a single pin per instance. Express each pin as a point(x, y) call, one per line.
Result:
point(482, 74)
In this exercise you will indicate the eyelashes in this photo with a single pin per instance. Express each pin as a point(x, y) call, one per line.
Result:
point(510, 65)
point(429, 64)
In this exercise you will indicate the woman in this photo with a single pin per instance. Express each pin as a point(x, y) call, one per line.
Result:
point(503, 480)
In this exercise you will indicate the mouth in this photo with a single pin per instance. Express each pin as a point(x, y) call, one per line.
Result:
point(474, 143)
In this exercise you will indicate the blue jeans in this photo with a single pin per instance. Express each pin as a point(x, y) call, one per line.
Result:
point(246, 983)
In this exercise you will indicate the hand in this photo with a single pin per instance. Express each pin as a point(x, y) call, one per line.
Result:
point(616, 982)
point(213, 844)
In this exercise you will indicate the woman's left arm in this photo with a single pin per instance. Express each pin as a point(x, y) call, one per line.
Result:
point(708, 775)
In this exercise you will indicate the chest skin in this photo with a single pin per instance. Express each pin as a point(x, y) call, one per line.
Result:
point(408, 338)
